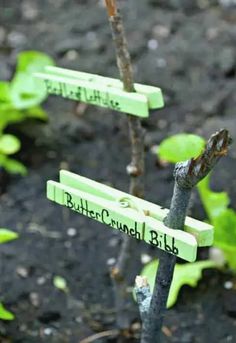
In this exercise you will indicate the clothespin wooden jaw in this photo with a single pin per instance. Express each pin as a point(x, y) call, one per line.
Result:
point(129, 214)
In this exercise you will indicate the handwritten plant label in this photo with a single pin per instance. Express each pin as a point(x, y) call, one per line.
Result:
point(101, 91)
point(153, 94)
point(127, 221)
point(121, 212)
point(176, 242)
point(203, 232)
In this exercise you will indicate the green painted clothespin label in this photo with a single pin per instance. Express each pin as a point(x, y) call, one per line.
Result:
point(122, 212)
point(101, 91)
point(203, 232)
point(105, 212)
point(175, 242)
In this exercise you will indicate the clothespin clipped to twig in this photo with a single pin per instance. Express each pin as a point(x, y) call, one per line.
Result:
point(138, 218)
point(102, 91)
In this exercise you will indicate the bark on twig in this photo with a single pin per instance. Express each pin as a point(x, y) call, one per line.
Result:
point(143, 295)
point(136, 167)
point(187, 175)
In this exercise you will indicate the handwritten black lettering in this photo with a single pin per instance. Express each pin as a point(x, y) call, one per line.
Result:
point(98, 216)
point(82, 206)
point(154, 239)
point(97, 97)
point(69, 203)
point(92, 215)
point(48, 85)
point(73, 92)
point(105, 214)
point(134, 232)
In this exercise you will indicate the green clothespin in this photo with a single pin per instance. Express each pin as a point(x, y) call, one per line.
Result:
point(129, 214)
point(101, 91)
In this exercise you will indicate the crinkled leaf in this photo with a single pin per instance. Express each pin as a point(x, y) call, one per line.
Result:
point(184, 274)
point(7, 235)
point(229, 255)
point(4, 314)
point(225, 235)
point(9, 115)
point(26, 92)
point(12, 166)
point(32, 61)
point(214, 202)
point(181, 147)
point(9, 144)
point(5, 92)
point(37, 113)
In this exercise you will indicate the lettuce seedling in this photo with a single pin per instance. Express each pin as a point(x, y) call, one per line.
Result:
point(180, 147)
point(6, 236)
point(223, 218)
point(184, 274)
point(20, 100)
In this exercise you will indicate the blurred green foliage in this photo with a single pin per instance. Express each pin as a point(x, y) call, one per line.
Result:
point(184, 274)
point(6, 236)
point(222, 218)
point(180, 147)
point(20, 100)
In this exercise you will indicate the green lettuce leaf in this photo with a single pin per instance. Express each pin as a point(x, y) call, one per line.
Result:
point(184, 274)
point(12, 166)
point(9, 144)
point(214, 202)
point(4, 314)
point(32, 62)
point(181, 147)
point(7, 235)
point(26, 92)
point(37, 113)
point(225, 235)
point(5, 92)
point(25, 89)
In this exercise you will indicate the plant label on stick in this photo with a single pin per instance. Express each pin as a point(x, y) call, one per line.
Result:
point(102, 91)
point(106, 212)
point(203, 232)
point(122, 212)
point(181, 244)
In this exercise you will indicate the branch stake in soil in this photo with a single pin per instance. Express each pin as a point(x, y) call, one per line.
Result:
point(135, 169)
point(187, 175)
point(111, 7)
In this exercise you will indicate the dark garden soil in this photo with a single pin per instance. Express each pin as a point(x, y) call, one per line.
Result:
point(188, 49)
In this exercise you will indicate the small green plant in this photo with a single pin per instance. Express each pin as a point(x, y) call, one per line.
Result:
point(184, 274)
point(20, 100)
point(223, 218)
point(179, 148)
point(6, 236)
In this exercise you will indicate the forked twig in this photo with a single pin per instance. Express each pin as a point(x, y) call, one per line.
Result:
point(136, 167)
point(187, 175)
point(190, 173)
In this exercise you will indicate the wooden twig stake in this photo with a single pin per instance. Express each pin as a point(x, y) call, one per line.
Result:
point(187, 175)
point(136, 167)
point(111, 7)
